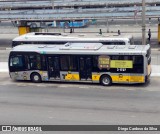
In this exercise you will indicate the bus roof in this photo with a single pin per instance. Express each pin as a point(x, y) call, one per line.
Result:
point(84, 48)
point(70, 37)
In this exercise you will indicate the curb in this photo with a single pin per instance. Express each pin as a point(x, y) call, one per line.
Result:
point(155, 49)
point(8, 48)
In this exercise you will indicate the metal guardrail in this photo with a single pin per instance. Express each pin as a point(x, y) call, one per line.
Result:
point(75, 15)
point(64, 3)
point(90, 13)
point(92, 10)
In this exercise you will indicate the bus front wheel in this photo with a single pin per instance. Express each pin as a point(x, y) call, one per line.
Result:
point(35, 77)
point(106, 80)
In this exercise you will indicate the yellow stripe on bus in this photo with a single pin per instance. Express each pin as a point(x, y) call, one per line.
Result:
point(95, 77)
point(117, 78)
point(72, 77)
point(140, 79)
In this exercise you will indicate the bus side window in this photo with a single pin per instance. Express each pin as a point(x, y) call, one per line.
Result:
point(14, 43)
point(138, 60)
point(113, 43)
point(138, 64)
point(68, 63)
point(73, 63)
point(35, 62)
point(43, 62)
point(115, 57)
point(32, 62)
point(56, 63)
point(21, 43)
point(27, 62)
point(122, 43)
point(126, 57)
point(95, 63)
point(38, 62)
point(64, 63)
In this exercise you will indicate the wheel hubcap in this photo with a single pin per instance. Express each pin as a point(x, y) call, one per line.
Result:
point(105, 80)
point(36, 78)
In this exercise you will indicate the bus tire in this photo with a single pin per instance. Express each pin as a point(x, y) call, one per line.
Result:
point(105, 80)
point(36, 78)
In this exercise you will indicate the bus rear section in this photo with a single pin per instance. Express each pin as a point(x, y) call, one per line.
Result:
point(148, 64)
point(61, 39)
point(82, 62)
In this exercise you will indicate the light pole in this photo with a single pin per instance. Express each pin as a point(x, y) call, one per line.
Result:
point(52, 4)
point(143, 23)
point(107, 26)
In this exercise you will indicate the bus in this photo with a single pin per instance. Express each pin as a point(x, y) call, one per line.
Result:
point(58, 38)
point(81, 62)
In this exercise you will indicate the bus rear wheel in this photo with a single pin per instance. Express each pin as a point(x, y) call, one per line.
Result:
point(35, 77)
point(106, 80)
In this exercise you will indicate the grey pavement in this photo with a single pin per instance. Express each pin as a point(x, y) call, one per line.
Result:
point(75, 103)
point(26, 103)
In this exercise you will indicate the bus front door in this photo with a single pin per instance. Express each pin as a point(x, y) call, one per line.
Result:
point(85, 68)
point(53, 67)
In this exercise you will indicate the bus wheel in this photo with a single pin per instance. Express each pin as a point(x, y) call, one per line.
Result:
point(35, 77)
point(106, 80)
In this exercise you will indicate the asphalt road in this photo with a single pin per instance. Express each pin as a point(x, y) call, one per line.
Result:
point(75, 103)
point(6, 39)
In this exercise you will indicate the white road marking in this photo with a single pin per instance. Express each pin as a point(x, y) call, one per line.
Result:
point(155, 49)
point(3, 66)
point(83, 87)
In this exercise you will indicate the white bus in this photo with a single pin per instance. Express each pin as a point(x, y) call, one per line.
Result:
point(81, 62)
point(58, 38)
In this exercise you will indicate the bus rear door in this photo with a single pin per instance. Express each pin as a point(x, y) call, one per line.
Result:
point(85, 67)
point(53, 67)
